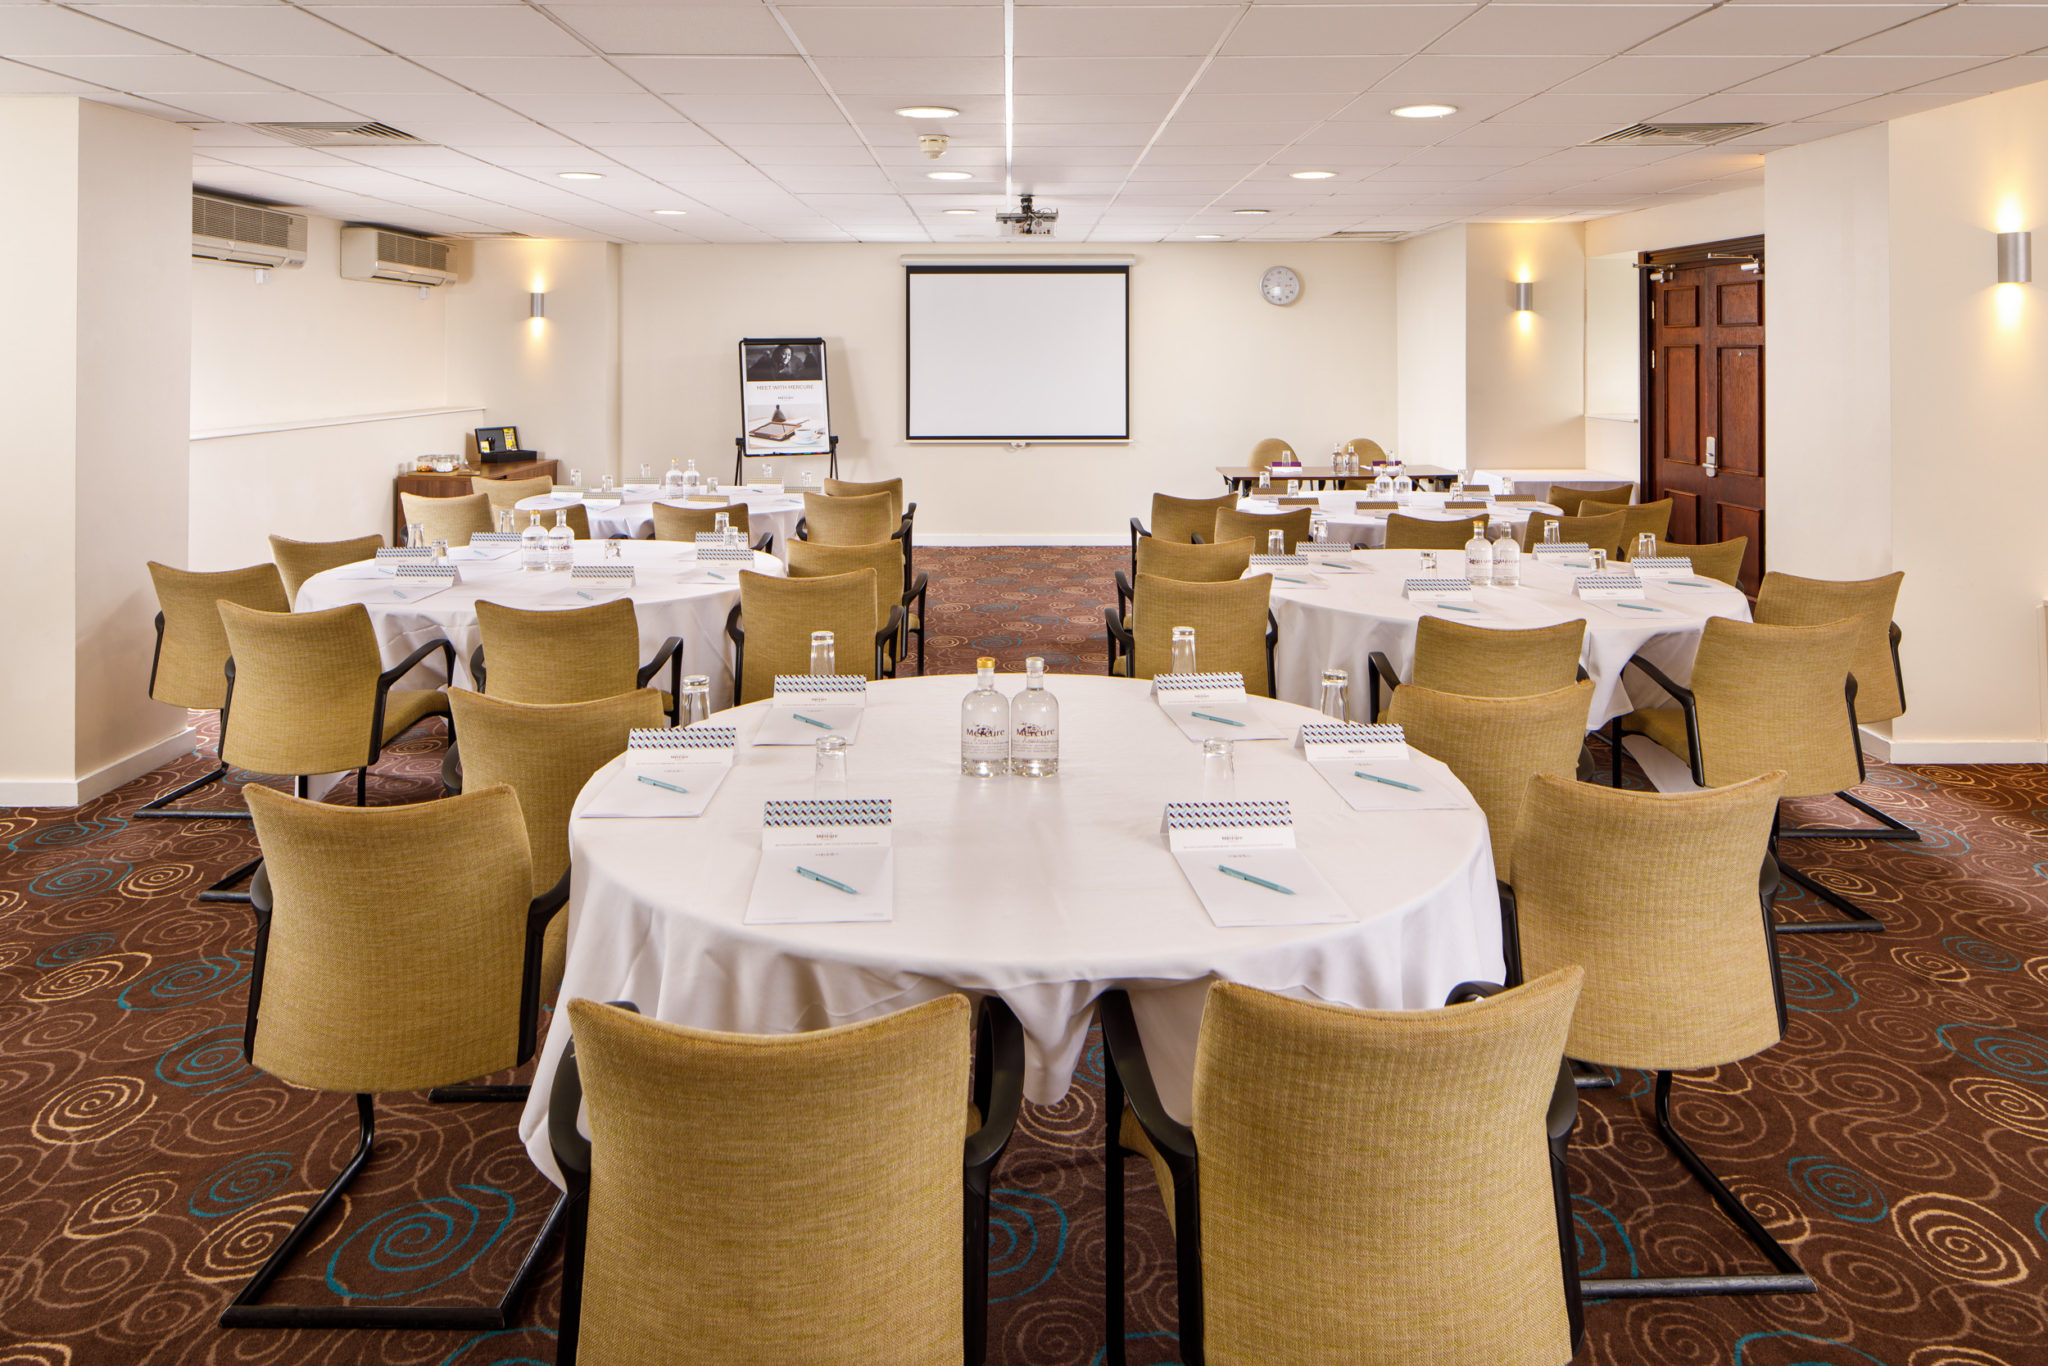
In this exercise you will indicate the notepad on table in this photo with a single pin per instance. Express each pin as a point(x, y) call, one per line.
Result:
point(1211, 707)
point(666, 773)
point(808, 707)
point(823, 862)
point(1372, 769)
point(1241, 861)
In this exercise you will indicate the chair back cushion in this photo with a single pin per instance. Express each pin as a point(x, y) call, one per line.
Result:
point(780, 1198)
point(1195, 563)
point(846, 488)
point(778, 616)
point(505, 493)
point(1183, 519)
point(1229, 621)
point(579, 654)
point(1496, 744)
point(1428, 533)
point(1770, 698)
point(298, 561)
point(810, 560)
point(1655, 895)
point(397, 940)
point(192, 658)
point(860, 520)
point(1375, 1184)
point(1567, 498)
point(1720, 560)
point(1231, 525)
point(1786, 600)
point(1475, 661)
point(305, 690)
point(453, 520)
point(1272, 449)
point(672, 523)
point(1601, 531)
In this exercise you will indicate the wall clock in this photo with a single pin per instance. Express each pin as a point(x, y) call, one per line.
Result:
point(1280, 286)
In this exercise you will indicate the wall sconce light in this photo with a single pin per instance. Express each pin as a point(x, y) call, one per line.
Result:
point(1525, 294)
point(539, 303)
point(2015, 258)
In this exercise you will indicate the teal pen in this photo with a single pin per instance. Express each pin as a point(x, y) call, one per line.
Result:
point(1694, 583)
point(1332, 564)
point(1247, 877)
point(715, 574)
point(585, 596)
point(808, 721)
point(1376, 778)
point(401, 593)
point(833, 883)
point(1454, 607)
point(666, 787)
point(1637, 606)
point(1284, 579)
point(1219, 720)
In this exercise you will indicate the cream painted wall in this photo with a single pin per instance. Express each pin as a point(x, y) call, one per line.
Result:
point(1429, 275)
point(1213, 369)
point(1525, 373)
point(1714, 218)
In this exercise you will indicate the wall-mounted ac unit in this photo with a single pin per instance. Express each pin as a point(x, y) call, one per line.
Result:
point(396, 257)
point(247, 234)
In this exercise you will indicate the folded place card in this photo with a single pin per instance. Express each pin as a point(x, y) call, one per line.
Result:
point(440, 573)
point(1661, 566)
point(1306, 500)
point(724, 554)
point(390, 557)
point(1197, 687)
point(798, 690)
point(1465, 504)
point(700, 744)
point(1611, 585)
point(1436, 590)
point(824, 861)
point(808, 707)
point(1279, 561)
point(1546, 548)
point(1336, 740)
point(1378, 505)
point(1211, 707)
point(1307, 548)
point(1240, 859)
point(509, 540)
point(604, 573)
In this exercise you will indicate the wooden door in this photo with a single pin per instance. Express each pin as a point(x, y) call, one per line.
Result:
point(1704, 422)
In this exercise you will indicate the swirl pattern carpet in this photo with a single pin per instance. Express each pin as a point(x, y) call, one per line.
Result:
point(1897, 1139)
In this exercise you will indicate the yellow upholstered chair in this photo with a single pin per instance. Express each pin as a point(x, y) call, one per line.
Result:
point(1272, 450)
point(397, 949)
point(508, 493)
point(1720, 560)
point(860, 520)
point(771, 628)
point(1637, 518)
point(673, 523)
point(189, 666)
point(1231, 525)
point(1765, 699)
point(1185, 520)
point(1478, 661)
point(847, 488)
point(298, 561)
point(453, 520)
point(1567, 498)
point(577, 654)
point(1658, 898)
point(761, 1199)
point(1234, 628)
point(545, 754)
point(1366, 449)
point(1601, 531)
point(1428, 533)
point(810, 560)
point(1374, 1187)
point(1187, 563)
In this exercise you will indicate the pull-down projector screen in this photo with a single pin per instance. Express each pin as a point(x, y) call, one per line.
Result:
point(1018, 353)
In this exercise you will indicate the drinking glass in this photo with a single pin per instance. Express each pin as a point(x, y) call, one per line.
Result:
point(1599, 558)
point(696, 699)
point(720, 522)
point(1293, 488)
point(810, 479)
point(576, 479)
point(1336, 702)
point(711, 483)
point(1428, 563)
point(1219, 771)
point(828, 774)
point(506, 522)
point(611, 549)
point(1318, 527)
point(1183, 650)
point(1646, 545)
point(647, 474)
point(1551, 533)
point(767, 474)
point(415, 535)
point(608, 486)
point(1276, 543)
point(821, 653)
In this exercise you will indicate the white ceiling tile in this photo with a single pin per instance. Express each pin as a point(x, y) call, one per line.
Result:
point(1363, 158)
point(1278, 106)
point(154, 73)
point(1618, 111)
point(274, 107)
point(17, 79)
point(1752, 108)
point(892, 31)
point(813, 108)
point(36, 29)
point(1229, 134)
point(976, 111)
point(1985, 80)
point(324, 75)
point(1667, 75)
point(1776, 29)
point(1342, 30)
point(1105, 75)
point(1084, 134)
point(238, 30)
point(743, 136)
point(456, 30)
point(1529, 30)
point(405, 107)
point(1122, 30)
point(757, 77)
point(678, 30)
point(1094, 108)
point(533, 75)
point(1963, 31)
point(642, 137)
point(1378, 106)
point(1264, 75)
point(1428, 75)
point(828, 179)
point(629, 108)
point(1508, 133)
point(915, 80)
point(1855, 75)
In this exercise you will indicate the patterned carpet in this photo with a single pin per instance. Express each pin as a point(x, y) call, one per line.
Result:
point(1897, 1139)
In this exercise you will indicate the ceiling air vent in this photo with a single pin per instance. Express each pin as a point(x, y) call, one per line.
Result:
point(1364, 236)
point(355, 134)
point(1674, 134)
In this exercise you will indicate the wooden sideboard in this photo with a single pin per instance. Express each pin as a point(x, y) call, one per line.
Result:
point(456, 485)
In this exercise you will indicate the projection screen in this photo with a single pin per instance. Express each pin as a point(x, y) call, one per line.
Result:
point(1018, 353)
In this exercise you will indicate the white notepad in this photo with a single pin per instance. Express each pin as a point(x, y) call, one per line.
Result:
point(657, 764)
point(1240, 859)
point(1211, 707)
point(824, 862)
point(403, 594)
point(808, 707)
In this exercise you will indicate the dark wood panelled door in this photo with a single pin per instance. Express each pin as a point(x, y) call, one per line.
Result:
point(1704, 419)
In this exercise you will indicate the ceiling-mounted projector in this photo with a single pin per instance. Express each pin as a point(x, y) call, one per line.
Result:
point(1027, 221)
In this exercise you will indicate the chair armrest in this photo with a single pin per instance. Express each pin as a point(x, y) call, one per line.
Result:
point(476, 666)
point(1123, 1050)
point(890, 632)
point(1124, 593)
point(565, 1107)
point(915, 593)
point(539, 912)
point(1377, 668)
point(671, 654)
point(411, 661)
point(1120, 637)
point(803, 527)
point(766, 545)
point(1689, 706)
point(1564, 1103)
point(157, 654)
point(1138, 531)
point(910, 512)
point(733, 630)
point(1661, 679)
point(1001, 1088)
point(902, 531)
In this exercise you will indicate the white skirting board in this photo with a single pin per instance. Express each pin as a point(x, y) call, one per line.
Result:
point(1890, 751)
point(76, 791)
point(1122, 538)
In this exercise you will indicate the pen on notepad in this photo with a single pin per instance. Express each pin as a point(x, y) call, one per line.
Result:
point(1454, 607)
point(809, 721)
point(714, 574)
point(833, 883)
point(1284, 579)
point(1376, 778)
point(1694, 583)
point(1247, 877)
point(581, 594)
point(666, 787)
point(1637, 606)
point(401, 593)
point(1219, 720)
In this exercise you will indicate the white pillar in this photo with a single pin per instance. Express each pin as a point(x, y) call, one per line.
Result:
point(95, 383)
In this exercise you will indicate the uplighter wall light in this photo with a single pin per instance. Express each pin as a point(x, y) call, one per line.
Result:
point(538, 301)
point(2015, 258)
point(1525, 296)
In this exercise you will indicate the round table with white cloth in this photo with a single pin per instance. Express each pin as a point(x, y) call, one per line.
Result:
point(672, 596)
point(1338, 626)
point(776, 512)
point(1046, 892)
point(1369, 529)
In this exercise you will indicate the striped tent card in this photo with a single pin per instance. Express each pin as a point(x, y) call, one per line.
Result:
point(1544, 548)
point(1334, 740)
point(1197, 687)
point(1661, 566)
point(690, 745)
point(1465, 504)
point(390, 557)
point(492, 539)
point(842, 690)
point(1612, 585)
point(724, 554)
point(1436, 590)
point(1304, 549)
point(435, 571)
point(1226, 825)
point(1294, 561)
point(604, 573)
point(827, 813)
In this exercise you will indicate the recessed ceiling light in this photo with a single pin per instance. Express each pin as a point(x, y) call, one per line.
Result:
point(956, 211)
point(1425, 111)
point(1313, 175)
point(1251, 211)
point(929, 111)
point(579, 175)
point(1208, 237)
point(672, 213)
point(948, 175)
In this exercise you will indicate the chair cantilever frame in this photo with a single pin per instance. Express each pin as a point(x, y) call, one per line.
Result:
point(1888, 827)
point(1859, 921)
point(244, 1312)
point(158, 808)
point(998, 1095)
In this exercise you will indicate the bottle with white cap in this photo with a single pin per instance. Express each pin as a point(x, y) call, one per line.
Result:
point(1479, 556)
point(1034, 725)
point(984, 725)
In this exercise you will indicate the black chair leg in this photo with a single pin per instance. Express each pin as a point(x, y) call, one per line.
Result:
point(575, 1238)
point(1859, 921)
point(158, 808)
point(1787, 1279)
point(1887, 827)
point(975, 1266)
point(244, 1312)
point(1113, 1216)
point(457, 1095)
point(219, 891)
point(1567, 1236)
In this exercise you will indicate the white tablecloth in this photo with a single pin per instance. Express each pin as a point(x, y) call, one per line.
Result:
point(1535, 483)
point(665, 607)
point(1046, 892)
point(776, 512)
point(1339, 626)
point(1369, 529)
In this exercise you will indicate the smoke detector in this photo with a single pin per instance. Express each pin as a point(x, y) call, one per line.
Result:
point(932, 145)
point(1027, 221)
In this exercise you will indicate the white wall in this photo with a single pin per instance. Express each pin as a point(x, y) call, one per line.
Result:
point(1525, 373)
point(1430, 304)
point(1714, 218)
point(1213, 369)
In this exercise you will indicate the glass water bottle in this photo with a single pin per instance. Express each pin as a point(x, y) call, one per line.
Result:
point(672, 482)
point(533, 545)
point(561, 539)
point(1507, 562)
point(1479, 556)
point(692, 481)
point(984, 725)
point(1034, 725)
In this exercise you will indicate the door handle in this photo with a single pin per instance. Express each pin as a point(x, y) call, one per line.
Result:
point(1710, 466)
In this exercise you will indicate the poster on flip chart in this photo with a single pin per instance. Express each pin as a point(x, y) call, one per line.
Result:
point(783, 407)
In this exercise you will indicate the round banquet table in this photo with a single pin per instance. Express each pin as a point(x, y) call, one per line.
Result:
point(665, 604)
point(776, 512)
point(1340, 625)
point(1046, 892)
point(1369, 529)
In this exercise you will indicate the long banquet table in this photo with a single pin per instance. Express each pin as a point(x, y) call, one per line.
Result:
point(613, 516)
point(1369, 529)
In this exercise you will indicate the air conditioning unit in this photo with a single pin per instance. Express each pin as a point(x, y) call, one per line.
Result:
point(247, 234)
point(398, 258)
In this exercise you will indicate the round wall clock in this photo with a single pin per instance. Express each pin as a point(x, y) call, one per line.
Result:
point(1280, 286)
